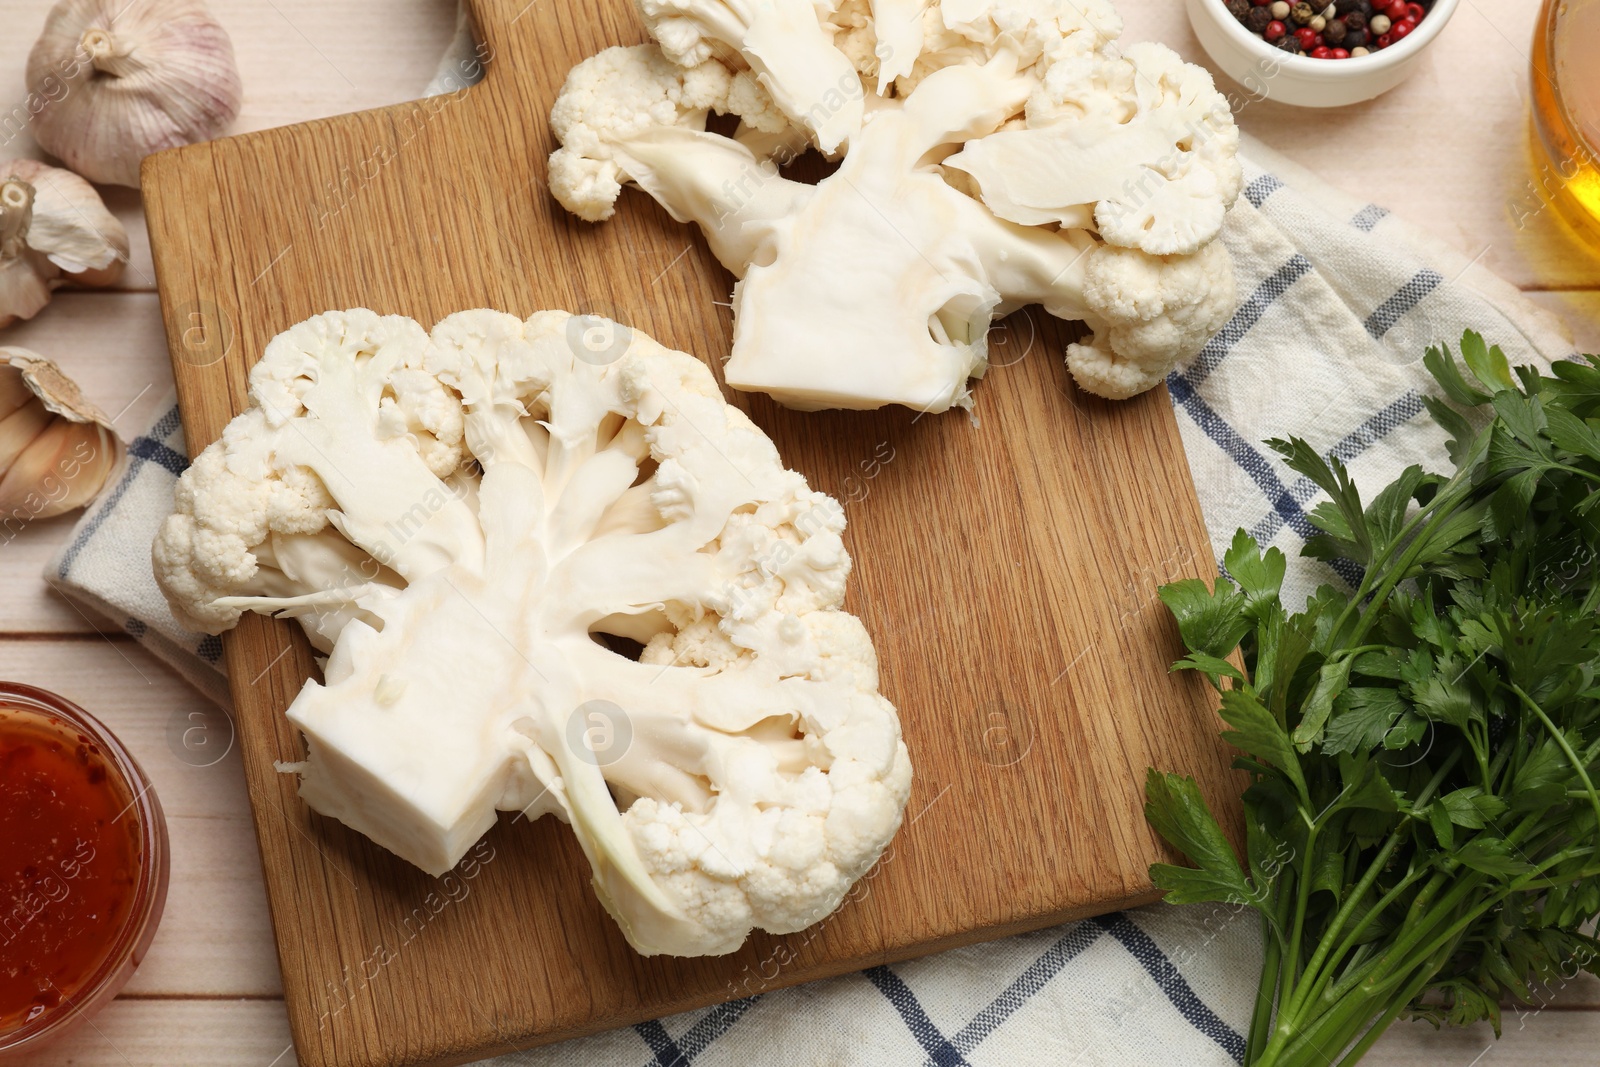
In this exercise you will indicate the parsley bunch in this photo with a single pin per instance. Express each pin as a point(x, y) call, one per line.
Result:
point(1422, 825)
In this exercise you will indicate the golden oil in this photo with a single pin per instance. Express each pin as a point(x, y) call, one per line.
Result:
point(1566, 113)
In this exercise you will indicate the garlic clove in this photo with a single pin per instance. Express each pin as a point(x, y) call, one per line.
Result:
point(71, 225)
point(23, 290)
point(139, 78)
point(52, 222)
point(92, 458)
point(19, 429)
point(61, 469)
point(57, 450)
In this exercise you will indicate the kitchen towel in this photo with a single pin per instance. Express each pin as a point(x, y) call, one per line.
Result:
point(1338, 300)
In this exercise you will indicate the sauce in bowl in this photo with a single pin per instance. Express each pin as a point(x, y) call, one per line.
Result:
point(83, 865)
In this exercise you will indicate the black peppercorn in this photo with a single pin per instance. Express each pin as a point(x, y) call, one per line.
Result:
point(1355, 21)
point(1239, 9)
point(1258, 20)
point(1333, 33)
point(1289, 43)
point(1355, 38)
point(1302, 13)
point(1344, 7)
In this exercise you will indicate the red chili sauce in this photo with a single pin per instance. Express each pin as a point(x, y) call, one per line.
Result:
point(69, 862)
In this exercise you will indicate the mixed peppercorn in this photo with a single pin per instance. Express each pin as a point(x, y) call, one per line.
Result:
point(1339, 30)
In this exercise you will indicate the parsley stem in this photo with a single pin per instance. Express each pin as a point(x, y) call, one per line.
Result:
point(1561, 740)
point(1261, 1018)
point(1353, 901)
point(1383, 1022)
point(1291, 968)
point(1404, 537)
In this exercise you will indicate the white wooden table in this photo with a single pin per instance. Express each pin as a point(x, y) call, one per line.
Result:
point(1449, 150)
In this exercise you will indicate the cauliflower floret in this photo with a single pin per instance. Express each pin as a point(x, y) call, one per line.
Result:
point(785, 45)
point(1157, 310)
point(611, 97)
point(1178, 203)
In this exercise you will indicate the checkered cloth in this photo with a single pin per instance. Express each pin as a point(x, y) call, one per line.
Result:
point(1339, 301)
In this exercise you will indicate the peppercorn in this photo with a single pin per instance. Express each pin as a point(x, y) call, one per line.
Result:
point(1415, 12)
point(1355, 21)
point(1275, 31)
point(1321, 52)
point(1289, 43)
point(1359, 52)
point(1333, 33)
point(1258, 19)
point(1317, 23)
point(1400, 29)
point(1379, 24)
point(1344, 7)
point(1353, 39)
point(1302, 13)
point(1307, 37)
point(1384, 40)
point(1239, 9)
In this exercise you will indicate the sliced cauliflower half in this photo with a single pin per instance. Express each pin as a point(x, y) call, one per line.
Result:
point(998, 147)
point(554, 573)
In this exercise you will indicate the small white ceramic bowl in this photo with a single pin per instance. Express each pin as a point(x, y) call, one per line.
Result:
point(1265, 71)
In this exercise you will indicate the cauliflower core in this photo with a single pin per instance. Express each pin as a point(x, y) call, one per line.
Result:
point(993, 154)
point(477, 525)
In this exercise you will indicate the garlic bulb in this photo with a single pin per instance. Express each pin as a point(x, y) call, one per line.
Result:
point(125, 78)
point(57, 450)
point(53, 228)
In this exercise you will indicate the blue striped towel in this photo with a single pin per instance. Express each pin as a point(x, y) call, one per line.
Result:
point(1339, 299)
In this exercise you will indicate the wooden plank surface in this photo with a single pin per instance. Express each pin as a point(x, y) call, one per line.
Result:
point(1448, 121)
point(1005, 566)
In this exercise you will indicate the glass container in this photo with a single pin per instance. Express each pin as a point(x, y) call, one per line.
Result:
point(1566, 113)
point(83, 874)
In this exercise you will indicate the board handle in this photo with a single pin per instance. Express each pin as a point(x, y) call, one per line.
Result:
point(514, 34)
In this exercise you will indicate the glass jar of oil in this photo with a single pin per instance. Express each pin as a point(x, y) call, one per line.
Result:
point(1566, 112)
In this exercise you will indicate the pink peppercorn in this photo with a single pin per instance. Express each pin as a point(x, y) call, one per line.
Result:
point(1339, 53)
point(1320, 53)
point(1400, 29)
point(1275, 29)
point(1415, 12)
point(1385, 40)
point(1308, 37)
point(1396, 10)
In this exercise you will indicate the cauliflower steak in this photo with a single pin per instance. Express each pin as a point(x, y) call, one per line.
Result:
point(992, 154)
point(477, 526)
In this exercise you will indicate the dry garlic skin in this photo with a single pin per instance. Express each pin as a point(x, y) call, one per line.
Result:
point(57, 450)
point(139, 77)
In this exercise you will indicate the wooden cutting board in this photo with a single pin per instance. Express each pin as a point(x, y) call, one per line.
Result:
point(1006, 566)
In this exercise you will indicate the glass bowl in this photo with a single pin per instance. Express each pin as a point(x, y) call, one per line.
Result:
point(46, 712)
